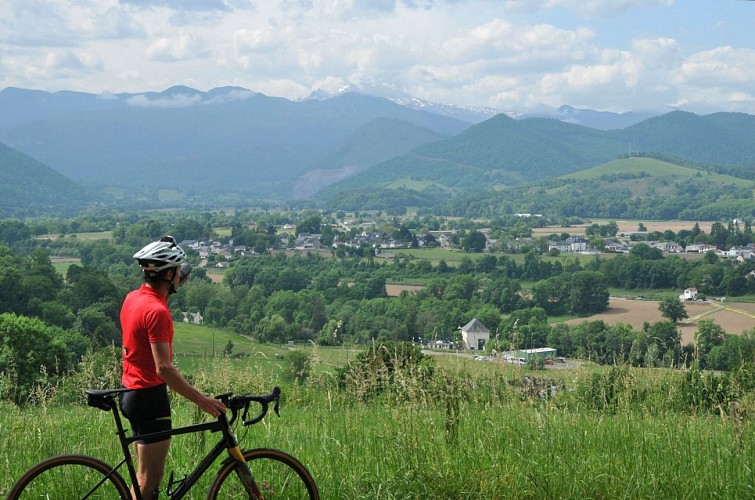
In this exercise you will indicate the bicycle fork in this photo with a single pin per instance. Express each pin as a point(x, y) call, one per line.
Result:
point(242, 468)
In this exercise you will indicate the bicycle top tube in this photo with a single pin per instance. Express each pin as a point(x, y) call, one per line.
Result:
point(104, 399)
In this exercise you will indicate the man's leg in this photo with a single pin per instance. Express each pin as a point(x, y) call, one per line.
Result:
point(151, 466)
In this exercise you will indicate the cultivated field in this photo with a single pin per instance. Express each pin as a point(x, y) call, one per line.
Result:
point(733, 317)
point(625, 226)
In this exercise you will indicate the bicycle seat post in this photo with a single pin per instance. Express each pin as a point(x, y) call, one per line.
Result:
point(123, 439)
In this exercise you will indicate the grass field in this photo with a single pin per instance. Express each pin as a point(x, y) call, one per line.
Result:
point(472, 431)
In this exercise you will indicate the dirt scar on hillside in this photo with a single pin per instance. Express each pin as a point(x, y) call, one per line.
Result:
point(733, 317)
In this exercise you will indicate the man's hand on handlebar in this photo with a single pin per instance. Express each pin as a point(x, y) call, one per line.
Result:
point(211, 405)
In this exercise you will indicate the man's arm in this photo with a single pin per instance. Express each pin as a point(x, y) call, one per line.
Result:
point(174, 379)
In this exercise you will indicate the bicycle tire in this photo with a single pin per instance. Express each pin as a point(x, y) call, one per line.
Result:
point(70, 477)
point(278, 474)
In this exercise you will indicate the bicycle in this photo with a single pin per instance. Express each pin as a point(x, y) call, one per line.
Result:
point(257, 473)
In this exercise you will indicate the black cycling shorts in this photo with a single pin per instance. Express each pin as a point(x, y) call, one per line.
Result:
point(148, 411)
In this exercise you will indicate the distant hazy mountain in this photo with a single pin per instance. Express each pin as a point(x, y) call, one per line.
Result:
point(209, 142)
point(19, 106)
point(28, 187)
point(506, 152)
point(471, 114)
point(601, 120)
point(377, 141)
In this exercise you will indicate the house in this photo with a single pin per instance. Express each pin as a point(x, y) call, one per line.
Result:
point(194, 318)
point(740, 253)
point(667, 246)
point(474, 335)
point(617, 246)
point(689, 294)
point(572, 244)
point(306, 241)
point(700, 248)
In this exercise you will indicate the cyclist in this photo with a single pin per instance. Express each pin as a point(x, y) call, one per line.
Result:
point(147, 359)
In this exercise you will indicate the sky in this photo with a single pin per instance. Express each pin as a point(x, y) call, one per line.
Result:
point(512, 55)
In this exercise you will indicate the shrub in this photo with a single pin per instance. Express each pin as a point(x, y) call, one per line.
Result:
point(298, 366)
point(397, 367)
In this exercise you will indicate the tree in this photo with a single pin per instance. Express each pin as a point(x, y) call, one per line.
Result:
point(474, 241)
point(667, 340)
point(735, 352)
point(588, 293)
point(672, 309)
point(310, 225)
point(645, 252)
point(708, 335)
point(30, 351)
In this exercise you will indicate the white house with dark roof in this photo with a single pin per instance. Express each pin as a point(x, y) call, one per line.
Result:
point(474, 335)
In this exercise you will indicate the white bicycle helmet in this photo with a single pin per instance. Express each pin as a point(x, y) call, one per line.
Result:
point(160, 255)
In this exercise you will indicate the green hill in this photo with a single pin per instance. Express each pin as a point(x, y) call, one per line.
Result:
point(650, 167)
point(716, 139)
point(637, 188)
point(503, 152)
point(28, 187)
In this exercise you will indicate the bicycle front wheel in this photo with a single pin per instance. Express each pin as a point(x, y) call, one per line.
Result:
point(278, 475)
point(70, 477)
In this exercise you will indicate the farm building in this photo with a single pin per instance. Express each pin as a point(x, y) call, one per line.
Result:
point(474, 335)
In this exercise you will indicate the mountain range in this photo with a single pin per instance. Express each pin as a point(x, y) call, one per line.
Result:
point(207, 144)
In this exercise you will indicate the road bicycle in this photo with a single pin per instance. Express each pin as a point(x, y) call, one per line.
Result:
point(260, 473)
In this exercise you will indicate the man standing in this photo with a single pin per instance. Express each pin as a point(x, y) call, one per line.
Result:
point(147, 359)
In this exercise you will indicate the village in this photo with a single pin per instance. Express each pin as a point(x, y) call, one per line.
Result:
point(218, 253)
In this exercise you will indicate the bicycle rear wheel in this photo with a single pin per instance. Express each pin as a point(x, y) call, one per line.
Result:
point(278, 475)
point(70, 477)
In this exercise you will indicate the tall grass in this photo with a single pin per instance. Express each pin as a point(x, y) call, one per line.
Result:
point(472, 430)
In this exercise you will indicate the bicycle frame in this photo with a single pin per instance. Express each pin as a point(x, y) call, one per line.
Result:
point(228, 442)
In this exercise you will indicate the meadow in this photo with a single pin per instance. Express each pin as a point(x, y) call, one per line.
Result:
point(467, 429)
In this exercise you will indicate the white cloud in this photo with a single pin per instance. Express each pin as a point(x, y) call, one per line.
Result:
point(512, 54)
point(191, 5)
point(586, 8)
point(176, 48)
point(172, 101)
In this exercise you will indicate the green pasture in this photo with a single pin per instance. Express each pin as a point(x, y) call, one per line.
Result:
point(61, 267)
point(656, 168)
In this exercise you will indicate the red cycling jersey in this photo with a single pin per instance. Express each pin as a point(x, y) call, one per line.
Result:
point(145, 319)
